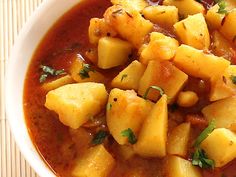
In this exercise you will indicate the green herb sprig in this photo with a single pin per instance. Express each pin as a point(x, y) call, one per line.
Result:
point(205, 133)
point(99, 137)
point(130, 135)
point(222, 7)
point(84, 72)
point(153, 87)
point(200, 159)
point(49, 71)
point(199, 156)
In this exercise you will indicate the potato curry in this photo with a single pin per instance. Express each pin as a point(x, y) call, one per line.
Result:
point(136, 88)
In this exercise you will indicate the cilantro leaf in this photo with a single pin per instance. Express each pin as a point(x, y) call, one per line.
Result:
point(153, 87)
point(47, 70)
point(42, 78)
point(99, 137)
point(222, 6)
point(130, 135)
point(200, 159)
point(84, 72)
point(205, 133)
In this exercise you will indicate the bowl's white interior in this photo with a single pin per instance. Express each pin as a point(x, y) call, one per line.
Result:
point(31, 35)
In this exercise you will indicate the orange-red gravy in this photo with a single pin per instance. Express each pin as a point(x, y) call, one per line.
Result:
point(67, 38)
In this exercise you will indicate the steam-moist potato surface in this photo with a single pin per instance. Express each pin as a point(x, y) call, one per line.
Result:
point(131, 85)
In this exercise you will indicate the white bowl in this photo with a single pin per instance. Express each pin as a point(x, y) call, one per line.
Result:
point(31, 35)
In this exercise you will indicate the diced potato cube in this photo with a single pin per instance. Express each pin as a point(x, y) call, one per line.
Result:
point(222, 86)
point(129, 77)
point(126, 110)
point(193, 31)
point(186, 7)
point(99, 28)
point(220, 146)
point(138, 5)
point(222, 111)
point(222, 47)
point(214, 18)
point(113, 52)
point(130, 25)
point(76, 103)
point(163, 15)
point(229, 25)
point(164, 75)
point(178, 167)
point(58, 83)
point(198, 64)
point(96, 162)
point(153, 134)
point(177, 143)
point(82, 72)
point(160, 48)
point(220, 89)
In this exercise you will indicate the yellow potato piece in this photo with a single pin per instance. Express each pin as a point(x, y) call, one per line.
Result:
point(228, 26)
point(137, 5)
point(58, 83)
point(186, 7)
point(78, 66)
point(153, 134)
point(129, 24)
point(178, 167)
point(164, 75)
point(214, 18)
point(222, 111)
point(222, 47)
point(198, 64)
point(113, 52)
point(96, 162)
point(160, 48)
point(99, 28)
point(163, 15)
point(220, 146)
point(125, 110)
point(129, 77)
point(177, 143)
point(77, 103)
point(193, 31)
point(222, 86)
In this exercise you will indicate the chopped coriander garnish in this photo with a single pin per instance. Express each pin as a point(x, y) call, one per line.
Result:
point(43, 77)
point(123, 77)
point(205, 133)
point(84, 72)
point(99, 137)
point(222, 6)
point(200, 159)
point(109, 106)
point(233, 78)
point(130, 135)
point(153, 87)
point(49, 71)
